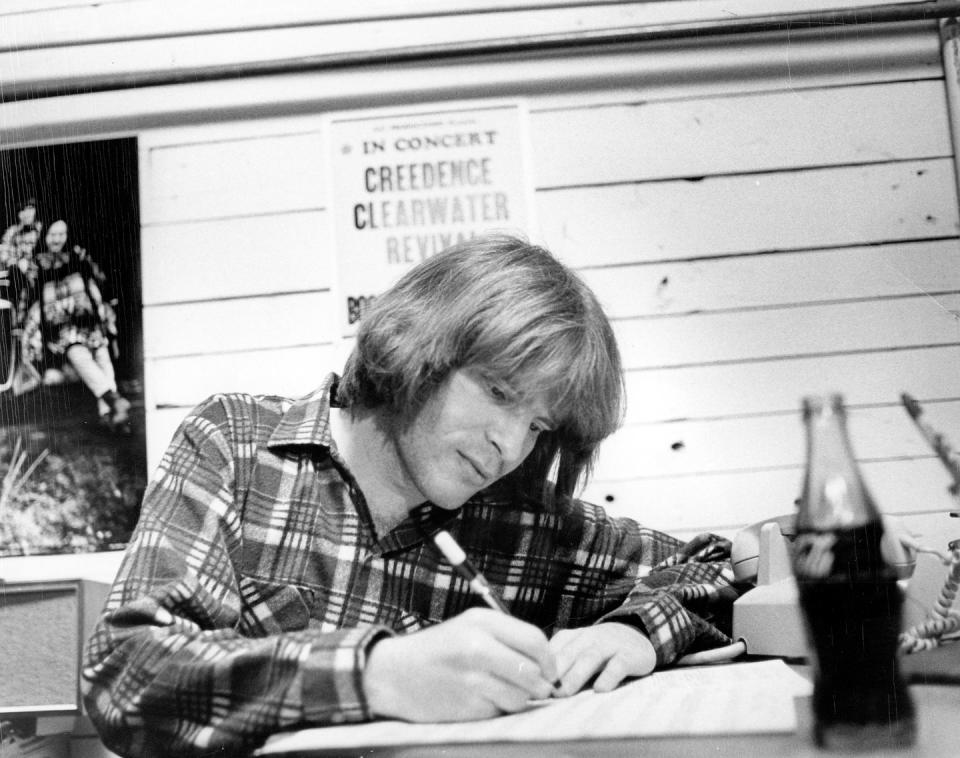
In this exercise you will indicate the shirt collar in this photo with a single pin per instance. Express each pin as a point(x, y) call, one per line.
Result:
point(421, 522)
point(307, 420)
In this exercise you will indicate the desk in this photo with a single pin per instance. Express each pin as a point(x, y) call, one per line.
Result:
point(938, 734)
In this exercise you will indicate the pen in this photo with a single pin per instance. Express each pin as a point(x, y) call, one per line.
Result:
point(455, 556)
point(936, 441)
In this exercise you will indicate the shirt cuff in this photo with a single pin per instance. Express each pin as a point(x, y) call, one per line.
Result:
point(333, 676)
point(667, 624)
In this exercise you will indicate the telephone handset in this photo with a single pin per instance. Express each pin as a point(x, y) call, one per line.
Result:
point(897, 548)
point(746, 550)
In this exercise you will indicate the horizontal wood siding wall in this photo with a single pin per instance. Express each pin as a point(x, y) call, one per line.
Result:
point(49, 47)
point(754, 237)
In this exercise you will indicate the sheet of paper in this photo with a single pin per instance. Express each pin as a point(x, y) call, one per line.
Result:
point(737, 698)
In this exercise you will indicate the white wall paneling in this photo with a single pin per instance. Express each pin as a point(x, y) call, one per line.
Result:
point(701, 339)
point(756, 442)
point(228, 177)
point(725, 215)
point(740, 133)
point(724, 501)
point(764, 216)
point(235, 256)
point(229, 325)
point(755, 239)
point(739, 389)
point(293, 371)
point(778, 279)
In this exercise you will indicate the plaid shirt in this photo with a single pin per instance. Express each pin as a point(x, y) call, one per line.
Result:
point(254, 584)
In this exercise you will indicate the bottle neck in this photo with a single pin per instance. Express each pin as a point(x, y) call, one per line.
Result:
point(834, 494)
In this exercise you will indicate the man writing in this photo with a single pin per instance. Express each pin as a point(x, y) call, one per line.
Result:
point(282, 575)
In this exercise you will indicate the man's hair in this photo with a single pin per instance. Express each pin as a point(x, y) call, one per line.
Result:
point(512, 311)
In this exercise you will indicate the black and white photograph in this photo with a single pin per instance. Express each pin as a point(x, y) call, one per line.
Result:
point(71, 397)
point(479, 378)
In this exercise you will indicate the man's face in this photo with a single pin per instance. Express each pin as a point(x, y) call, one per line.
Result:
point(27, 215)
point(56, 236)
point(469, 434)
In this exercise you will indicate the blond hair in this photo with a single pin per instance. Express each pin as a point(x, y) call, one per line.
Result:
point(510, 309)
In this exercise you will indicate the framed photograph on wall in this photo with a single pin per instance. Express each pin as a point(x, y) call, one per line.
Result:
point(72, 443)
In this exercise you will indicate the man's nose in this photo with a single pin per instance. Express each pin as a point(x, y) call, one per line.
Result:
point(509, 436)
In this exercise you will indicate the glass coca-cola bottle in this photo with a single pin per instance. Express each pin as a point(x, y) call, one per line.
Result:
point(849, 595)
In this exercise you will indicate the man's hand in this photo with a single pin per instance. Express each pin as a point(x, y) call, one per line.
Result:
point(476, 665)
point(610, 651)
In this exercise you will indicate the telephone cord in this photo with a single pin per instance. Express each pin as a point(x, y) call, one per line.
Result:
point(714, 655)
point(941, 620)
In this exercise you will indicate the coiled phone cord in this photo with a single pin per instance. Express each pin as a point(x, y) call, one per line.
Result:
point(942, 620)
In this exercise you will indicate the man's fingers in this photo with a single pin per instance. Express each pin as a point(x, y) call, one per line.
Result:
point(520, 672)
point(569, 647)
point(604, 654)
point(520, 637)
point(451, 672)
point(561, 640)
point(581, 669)
point(616, 670)
point(507, 697)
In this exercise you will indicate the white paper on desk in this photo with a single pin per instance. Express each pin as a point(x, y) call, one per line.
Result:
point(736, 698)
